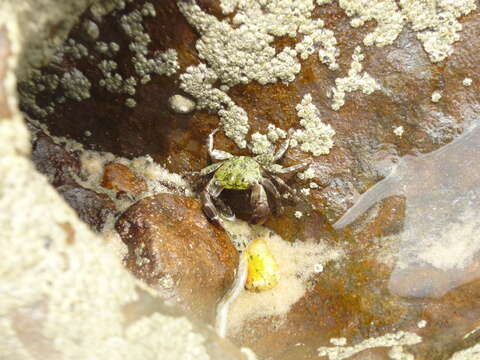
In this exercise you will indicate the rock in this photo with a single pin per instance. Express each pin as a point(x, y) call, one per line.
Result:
point(363, 297)
point(59, 166)
point(173, 247)
point(119, 177)
point(91, 207)
point(53, 161)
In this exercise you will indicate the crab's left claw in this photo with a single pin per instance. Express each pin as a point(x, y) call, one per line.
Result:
point(259, 203)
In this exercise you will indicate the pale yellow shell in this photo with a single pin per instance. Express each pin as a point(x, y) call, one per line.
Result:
point(263, 270)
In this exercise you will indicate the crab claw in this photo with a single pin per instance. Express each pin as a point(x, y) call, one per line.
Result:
point(259, 203)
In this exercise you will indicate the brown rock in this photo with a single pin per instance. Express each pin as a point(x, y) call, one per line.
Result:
point(176, 250)
point(53, 161)
point(119, 177)
point(91, 207)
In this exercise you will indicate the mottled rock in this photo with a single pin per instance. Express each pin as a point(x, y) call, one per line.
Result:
point(120, 178)
point(174, 248)
point(91, 207)
point(53, 161)
point(61, 166)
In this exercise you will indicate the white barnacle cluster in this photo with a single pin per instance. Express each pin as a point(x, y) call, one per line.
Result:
point(260, 144)
point(467, 81)
point(308, 174)
point(72, 49)
point(161, 63)
point(76, 85)
point(113, 81)
point(263, 143)
point(240, 50)
point(198, 81)
point(436, 23)
point(316, 137)
point(389, 20)
point(102, 8)
point(109, 49)
point(274, 134)
point(38, 82)
point(355, 81)
point(131, 103)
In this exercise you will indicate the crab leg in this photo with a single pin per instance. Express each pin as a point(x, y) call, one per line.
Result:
point(212, 191)
point(210, 169)
point(272, 190)
point(282, 184)
point(259, 203)
point(281, 151)
point(216, 155)
point(284, 187)
point(292, 168)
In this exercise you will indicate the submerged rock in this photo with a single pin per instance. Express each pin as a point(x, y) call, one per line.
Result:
point(176, 250)
point(120, 178)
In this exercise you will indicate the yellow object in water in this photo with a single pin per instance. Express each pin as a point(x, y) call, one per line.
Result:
point(263, 270)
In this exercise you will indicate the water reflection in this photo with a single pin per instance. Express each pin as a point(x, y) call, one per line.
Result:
point(440, 241)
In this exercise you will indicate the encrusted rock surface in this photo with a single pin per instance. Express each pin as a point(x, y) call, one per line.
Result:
point(173, 247)
point(364, 139)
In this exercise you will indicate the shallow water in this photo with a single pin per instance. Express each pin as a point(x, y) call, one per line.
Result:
point(440, 240)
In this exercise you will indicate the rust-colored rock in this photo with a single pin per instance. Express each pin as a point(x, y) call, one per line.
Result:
point(91, 207)
point(119, 177)
point(174, 248)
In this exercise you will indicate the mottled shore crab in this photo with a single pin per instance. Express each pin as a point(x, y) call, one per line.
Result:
point(257, 174)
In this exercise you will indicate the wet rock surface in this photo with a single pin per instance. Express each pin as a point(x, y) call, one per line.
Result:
point(60, 167)
point(120, 178)
point(91, 207)
point(173, 247)
point(54, 161)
